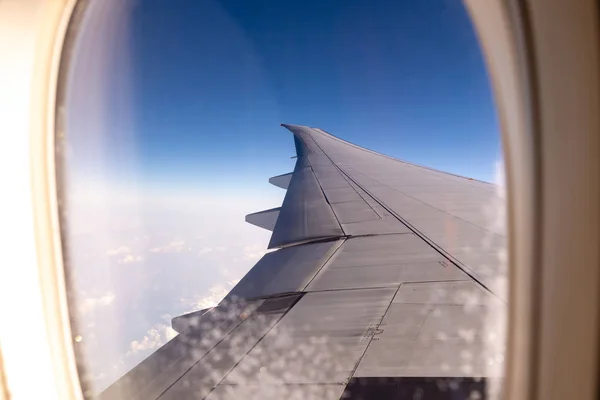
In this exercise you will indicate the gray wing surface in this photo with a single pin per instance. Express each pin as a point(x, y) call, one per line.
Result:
point(386, 282)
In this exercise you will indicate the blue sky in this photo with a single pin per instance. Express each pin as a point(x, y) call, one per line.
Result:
point(173, 113)
point(209, 82)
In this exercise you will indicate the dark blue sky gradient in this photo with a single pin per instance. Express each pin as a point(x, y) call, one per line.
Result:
point(212, 81)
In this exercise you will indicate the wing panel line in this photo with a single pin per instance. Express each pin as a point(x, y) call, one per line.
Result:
point(434, 245)
point(339, 245)
point(375, 329)
point(255, 344)
point(396, 159)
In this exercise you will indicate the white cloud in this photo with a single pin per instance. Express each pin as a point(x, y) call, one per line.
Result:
point(216, 293)
point(125, 256)
point(153, 339)
point(254, 252)
point(90, 303)
point(205, 250)
point(212, 226)
point(128, 259)
point(118, 250)
point(176, 246)
point(251, 253)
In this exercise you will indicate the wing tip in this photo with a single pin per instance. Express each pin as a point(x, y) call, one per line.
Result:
point(290, 126)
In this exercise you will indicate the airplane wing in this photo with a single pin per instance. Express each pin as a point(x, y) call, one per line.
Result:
point(386, 282)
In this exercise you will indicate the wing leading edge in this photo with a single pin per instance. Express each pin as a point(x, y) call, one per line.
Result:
point(386, 283)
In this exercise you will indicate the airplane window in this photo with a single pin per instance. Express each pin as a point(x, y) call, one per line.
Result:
point(378, 267)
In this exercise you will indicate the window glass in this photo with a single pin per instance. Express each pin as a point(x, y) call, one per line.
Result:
point(170, 132)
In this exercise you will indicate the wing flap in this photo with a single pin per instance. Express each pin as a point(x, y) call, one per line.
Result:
point(264, 219)
point(281, 181)
point(319, 341)
point(286, 270)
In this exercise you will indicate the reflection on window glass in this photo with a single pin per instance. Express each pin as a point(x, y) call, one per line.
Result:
point(376, 268)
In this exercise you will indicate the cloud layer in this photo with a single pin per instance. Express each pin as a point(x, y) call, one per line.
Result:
point(138, 261)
